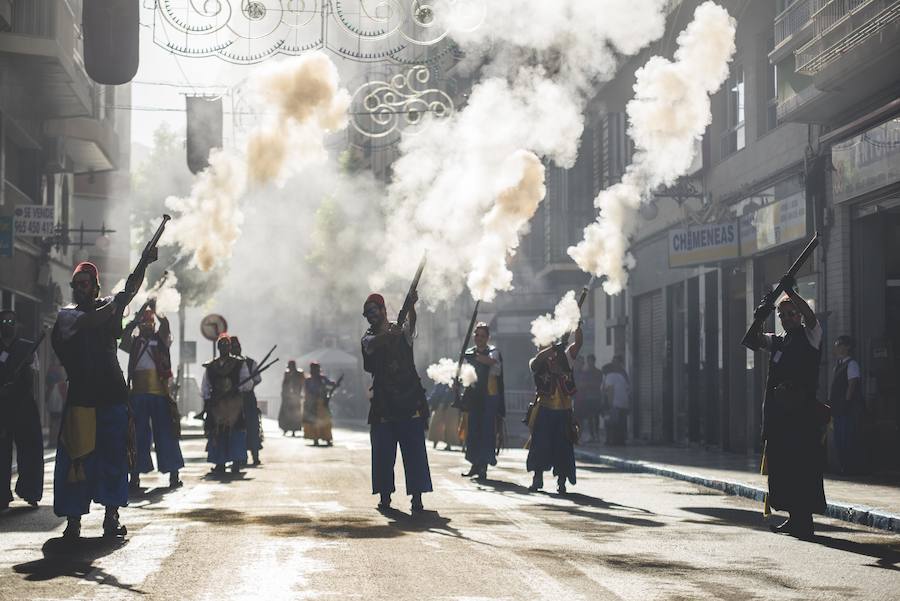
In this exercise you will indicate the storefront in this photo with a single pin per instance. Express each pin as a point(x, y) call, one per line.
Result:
point(866, 189)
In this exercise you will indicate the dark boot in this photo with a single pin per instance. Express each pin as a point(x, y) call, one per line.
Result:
point(174, 481)
point(802, 526)
point(417, 503)
point(73, 529)
point(111, 526)
point(482, 473)
point(537, 482)
point(255, 455)
point(235, 468)
point(561, 485)
point(473, 471)
point(219, 469)
point(385, 502)
point(135, 481)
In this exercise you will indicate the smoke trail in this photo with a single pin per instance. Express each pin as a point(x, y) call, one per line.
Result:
point(306, 104)
point(444, 372)
point(165, 291)
point(669, 112)
point(546, 329)
point(542, 61)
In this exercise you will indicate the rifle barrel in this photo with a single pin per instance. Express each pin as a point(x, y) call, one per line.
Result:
point(401, 317)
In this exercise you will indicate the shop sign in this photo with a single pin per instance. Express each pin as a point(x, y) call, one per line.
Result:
point(775, 224)
point(702, 244)
point(7, 236)
point(866, 162)
point(34, 220)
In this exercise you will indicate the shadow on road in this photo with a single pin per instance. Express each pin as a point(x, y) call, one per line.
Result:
point(733, 516)
point(29, 519)
point(62, 558)
point(887, 555)
point(575, 498)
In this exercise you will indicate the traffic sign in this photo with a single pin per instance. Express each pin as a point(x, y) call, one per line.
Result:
point(212, 326)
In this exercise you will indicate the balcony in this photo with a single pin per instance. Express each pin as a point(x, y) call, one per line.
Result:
point(840, 27)
point(794, 27)
point(45, 42)
point(92, 145)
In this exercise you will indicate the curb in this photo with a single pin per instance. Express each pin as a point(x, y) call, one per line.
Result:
point(847, 512)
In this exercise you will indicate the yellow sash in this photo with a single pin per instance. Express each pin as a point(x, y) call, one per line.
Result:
point(79, 437)
point(146, 381)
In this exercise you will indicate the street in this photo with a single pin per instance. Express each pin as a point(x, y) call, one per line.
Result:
point(305, 526)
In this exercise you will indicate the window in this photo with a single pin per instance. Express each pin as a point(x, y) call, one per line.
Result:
point(769, 120)
point(734, 135)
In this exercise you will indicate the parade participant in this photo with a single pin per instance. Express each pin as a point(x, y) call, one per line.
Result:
point(444, 424)
point(92, 457)
point(792, 419)
point(484, 403)
point(290, 415)
point(156, 418)
point(847, 406)
point(252, 414)
point(588, 405)
point(225, 378)
point(551, 420)
point(316, 413)
point(20, 422)
point(398, 412)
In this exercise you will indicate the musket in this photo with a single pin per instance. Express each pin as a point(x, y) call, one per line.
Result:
point(564, 341)
point(132, 284)
point(28, 356)
point(765, 308)
point(462, 357)
point(336, 385)
point(259, 369)
point(407, 302)
point(147, 303)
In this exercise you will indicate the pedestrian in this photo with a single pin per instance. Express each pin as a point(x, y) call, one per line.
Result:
point(398, 414)
point(290, 414)
point(588, 404)
point(316, 413)
point(252, 414)
point(444, 424)
point(225, 378)
point(156, 418)
point(551, 420)
point(20, 421)
point(94, 450)
point(847, 408)
point(57, 386)
point(792, 417)
point(617, 395)
point(484, 403)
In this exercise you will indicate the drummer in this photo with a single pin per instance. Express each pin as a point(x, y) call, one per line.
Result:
point(224, 379)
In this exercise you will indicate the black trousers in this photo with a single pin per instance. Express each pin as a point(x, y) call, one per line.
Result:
point(24, 431)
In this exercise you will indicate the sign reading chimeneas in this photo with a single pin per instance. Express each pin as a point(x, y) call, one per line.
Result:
point(701, 244)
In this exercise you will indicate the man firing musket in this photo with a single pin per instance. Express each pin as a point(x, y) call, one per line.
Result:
point(399, 412)
point(92, 457)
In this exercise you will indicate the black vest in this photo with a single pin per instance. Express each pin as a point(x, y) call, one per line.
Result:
point(397, 391)
point(476, 393)
point(792, 381)
point(838, 393)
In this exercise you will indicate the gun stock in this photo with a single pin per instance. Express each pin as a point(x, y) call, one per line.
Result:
point(407, 302)
point(768, 303)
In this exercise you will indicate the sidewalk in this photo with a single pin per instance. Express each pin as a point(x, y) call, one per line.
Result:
point(871, 500)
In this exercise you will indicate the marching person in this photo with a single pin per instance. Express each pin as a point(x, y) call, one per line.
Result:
point(444, 424)
point(588, 405)
point(20, 422)
point(551, 420)
point(484, 403)
point(398, 412)
point(617, 391)
point(156, 418)
point(252, 414)
point(792, 419)
point(224, 379)
point(92, 457)
point(290, 414)
point(317, 390)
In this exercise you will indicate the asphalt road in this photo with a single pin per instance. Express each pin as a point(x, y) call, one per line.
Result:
point(304, 526)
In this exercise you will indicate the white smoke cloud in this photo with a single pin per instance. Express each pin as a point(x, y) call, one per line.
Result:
point(306, 104)
point(669, 112)
point(543, 61)
point(444, 372)
point(547, 329)
point(165, 291)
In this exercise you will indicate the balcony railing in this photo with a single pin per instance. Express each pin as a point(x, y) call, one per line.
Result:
point(861, 19)
point(794, 18)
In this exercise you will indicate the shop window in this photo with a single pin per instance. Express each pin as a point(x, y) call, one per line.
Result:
point(734, 135)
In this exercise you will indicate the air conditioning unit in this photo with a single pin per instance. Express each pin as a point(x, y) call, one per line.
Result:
point(6, 12)
point(56, 153)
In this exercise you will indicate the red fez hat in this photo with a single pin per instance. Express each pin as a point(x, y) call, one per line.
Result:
point(148, 315)
point(87, 267)
point(223, 336)
point(374, 298)
point(315, 364)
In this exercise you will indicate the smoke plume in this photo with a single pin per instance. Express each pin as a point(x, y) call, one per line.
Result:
point(547, 329)
point(444, 372)
point(306, 104)
point(539, 62)
point(669, 112)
